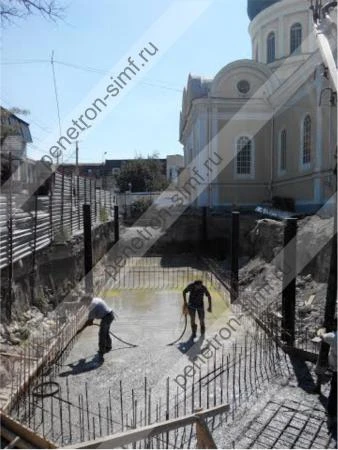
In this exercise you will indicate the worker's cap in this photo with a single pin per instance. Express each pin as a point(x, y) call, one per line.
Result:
point(198, 282)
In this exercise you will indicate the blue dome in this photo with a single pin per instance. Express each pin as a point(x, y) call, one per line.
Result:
point(256, 6)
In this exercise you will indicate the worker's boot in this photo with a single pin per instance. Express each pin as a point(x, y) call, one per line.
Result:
point(194, 329)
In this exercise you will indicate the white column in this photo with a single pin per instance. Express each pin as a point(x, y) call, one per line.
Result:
point(214, 149)
point(281, 36)
point(203, 133)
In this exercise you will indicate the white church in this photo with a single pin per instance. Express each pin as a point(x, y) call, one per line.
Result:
point(273, 118)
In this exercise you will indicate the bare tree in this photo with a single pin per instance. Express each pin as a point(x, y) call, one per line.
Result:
point(12, 9)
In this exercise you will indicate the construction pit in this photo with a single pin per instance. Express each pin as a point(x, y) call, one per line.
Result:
point(144, 380)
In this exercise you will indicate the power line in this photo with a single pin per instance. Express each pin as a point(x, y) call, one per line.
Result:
point(25, 61)
point(162, 85)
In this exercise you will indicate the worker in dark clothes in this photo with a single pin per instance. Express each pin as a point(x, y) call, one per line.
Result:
point(98, 309)
point(197, 291)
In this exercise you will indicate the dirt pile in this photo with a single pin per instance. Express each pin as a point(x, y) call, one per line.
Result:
point(261, 277)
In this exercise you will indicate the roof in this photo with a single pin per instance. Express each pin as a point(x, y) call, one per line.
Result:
point(14, 115)
point(256, 6)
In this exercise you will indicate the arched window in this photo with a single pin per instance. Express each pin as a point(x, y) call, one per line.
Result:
point(282, 151)
point(307, 140)
point(295, 38)
point(271, 48)
point(244, 156)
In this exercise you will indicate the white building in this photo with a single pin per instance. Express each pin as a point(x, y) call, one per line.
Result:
point(271, 119)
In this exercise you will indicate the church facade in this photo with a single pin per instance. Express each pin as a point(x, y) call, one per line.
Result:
point(272, 119)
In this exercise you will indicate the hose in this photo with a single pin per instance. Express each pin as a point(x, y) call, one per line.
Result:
point(185, 327)
point(41, 394)
point(119, 339)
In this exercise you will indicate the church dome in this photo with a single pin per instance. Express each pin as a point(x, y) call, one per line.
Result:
point(256, 6)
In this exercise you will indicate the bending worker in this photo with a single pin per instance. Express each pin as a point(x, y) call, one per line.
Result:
point(98, 309)
point(196, 304)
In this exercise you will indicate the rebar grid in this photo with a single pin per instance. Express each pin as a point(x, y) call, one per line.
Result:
point(232, 377)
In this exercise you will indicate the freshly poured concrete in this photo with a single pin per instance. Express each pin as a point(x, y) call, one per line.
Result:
point(150, 319)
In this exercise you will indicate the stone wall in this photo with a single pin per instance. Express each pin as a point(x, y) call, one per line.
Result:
point(186, 235)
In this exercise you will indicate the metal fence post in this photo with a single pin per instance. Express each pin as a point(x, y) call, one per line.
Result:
point(90, 195)
point(100, 203)
point(234, 255)
point(33, 271)
point(116, 223)
point(88, 251)
point(204, 227)
point(85, 190)
point(289, 281)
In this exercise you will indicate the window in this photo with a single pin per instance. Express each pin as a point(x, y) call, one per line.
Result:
point(295, 38)
point(282, 151)
point(243, 86)
point(271, 48)
point(244, 156)
point(307, 140)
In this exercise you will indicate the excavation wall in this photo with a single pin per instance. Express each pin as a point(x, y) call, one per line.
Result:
point(58, 269)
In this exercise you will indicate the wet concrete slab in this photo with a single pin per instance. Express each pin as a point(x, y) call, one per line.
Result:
point(150, 319)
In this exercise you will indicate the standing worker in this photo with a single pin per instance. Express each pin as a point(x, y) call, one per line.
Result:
point(98, 309)
point(196, 295)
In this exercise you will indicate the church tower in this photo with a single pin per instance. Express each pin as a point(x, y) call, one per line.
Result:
point(256, 6)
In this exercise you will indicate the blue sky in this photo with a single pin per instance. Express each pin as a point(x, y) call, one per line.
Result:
point(96, 34)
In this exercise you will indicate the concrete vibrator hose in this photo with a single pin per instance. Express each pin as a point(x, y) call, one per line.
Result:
point(185, 313)
point(116, 337)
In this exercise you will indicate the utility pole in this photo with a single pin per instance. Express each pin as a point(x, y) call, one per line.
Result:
point(56, 98)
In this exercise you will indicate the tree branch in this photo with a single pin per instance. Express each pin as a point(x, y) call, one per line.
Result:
point(11, 9)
